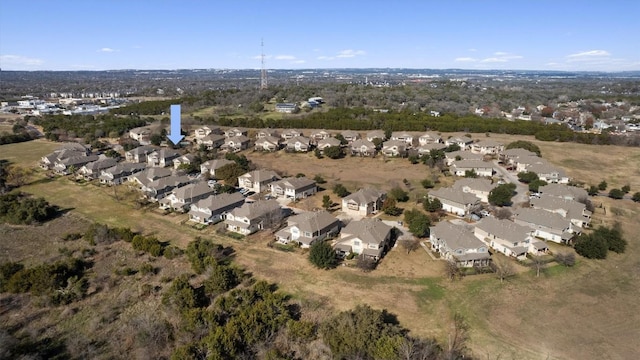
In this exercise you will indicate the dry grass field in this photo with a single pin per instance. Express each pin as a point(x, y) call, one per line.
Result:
point(589, 311)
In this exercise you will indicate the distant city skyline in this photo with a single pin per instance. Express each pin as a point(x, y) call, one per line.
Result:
point(477, 35)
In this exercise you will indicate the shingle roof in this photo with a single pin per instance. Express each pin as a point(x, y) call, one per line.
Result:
point(454, 195)
point(220, 201)
point(542, 218)
point(313, 221)
point(294, 183)
point(369, 230)
point(477, 184)
point(256, 209)
point(504, 229)
point(365, 196)
point(455, 236)
point(191, 191)
point(563, 191)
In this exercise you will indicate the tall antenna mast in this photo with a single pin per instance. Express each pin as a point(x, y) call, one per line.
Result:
point(263, 71)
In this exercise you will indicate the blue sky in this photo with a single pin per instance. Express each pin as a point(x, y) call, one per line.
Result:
point(145, 34)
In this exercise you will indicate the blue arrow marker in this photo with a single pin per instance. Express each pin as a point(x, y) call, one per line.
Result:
point(175, 135)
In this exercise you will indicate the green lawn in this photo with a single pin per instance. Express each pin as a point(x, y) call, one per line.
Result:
point(27, 153)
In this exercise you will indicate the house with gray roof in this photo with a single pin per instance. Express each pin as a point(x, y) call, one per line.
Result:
point(363, 147)
point(235, 143)
point(507, 237)
point(546, 225)
point(298, 144)
point(429, 147)
point(182, 197)
point(350, 135)
point(211, 141)
point(268, 143)
point(257, 180)
point(481, 168)
point(363, 202)
point(510, 156)
point(429, 138)
point(290, 133)
point(463, 141)
point(293, 188)
point(255, 216)
point(487, 147)
point(308, 227)
point(457, 243)
point(402, 136)
point(162, 158)
point(183, 160)
point(120, 173)
point(266, 133)
point(214, 208)
point(163, 186)
point(549, 173)
point(234, 132)
point(210, 166)
point(394, 148)
point(477, 186)
point(564, 191)
point(328, 142)
point(93, 169)
point(576, 212)
point(455, 201)
point(148, 175)
point(318, 135)
point(523, 162)
point(375, 134)
point(368, 237)
point(459, 155)
point(71, 164)
point(139, 154)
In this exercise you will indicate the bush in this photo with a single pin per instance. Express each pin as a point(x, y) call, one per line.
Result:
point(591, 247)
point(340, 190)
point(147, 244)
point(172, 252)
point(427, 183)
point(567, 259)
point(636, 197)
point(418, 222)
point(399, 194)
point(322, 255)
point(616, 194)
point(22, 209)
point(502, 194)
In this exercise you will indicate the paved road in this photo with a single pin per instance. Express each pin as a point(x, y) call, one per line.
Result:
point(512, 177)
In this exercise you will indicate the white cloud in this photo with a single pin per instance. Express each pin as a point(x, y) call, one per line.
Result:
point(501, 57)
point(285, 57)
point(349, 53)
point(589, 54)
point(18, 60)
point(107, 50)
point(493, 60)
point(465, 59)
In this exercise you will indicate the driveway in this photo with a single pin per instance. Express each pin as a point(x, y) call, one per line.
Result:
point(512, 177)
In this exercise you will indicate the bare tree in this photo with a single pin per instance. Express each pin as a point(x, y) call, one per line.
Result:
point(452, 270)
point(566, 258)
point(410, 245)
point(503, 268)
point(538, 263)
point(457, 340)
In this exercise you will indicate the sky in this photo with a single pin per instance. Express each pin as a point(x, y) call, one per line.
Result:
point(585, 35)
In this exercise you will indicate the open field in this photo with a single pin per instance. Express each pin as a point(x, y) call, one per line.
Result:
point(589, 311)
point(27, 153)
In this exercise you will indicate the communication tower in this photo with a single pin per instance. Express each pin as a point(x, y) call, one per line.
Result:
point(263, 71)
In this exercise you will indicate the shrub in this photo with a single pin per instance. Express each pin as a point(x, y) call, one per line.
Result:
point(399, 194)
point(427, 183)
point(322, 255)
point(591, 247)
point(340, 190)
point(616, 194)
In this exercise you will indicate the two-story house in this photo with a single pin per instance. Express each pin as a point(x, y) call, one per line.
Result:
point(255, 216)
point(546, 225)
point(298, 144)
point(572, 210)
point(257, 180)
point(476, 186)
point(162, 158)
point(455, 201)
point(487, 147)
point(139, 154)
point(210, 166)
point(368, 237)
point(479, 167)
point(293, 188)
point(308, 227)
point(93, 169)
point(363, 147)
point(214, 208)
point(182, 197)
point(429, 138)
point(394, 148)
point(505, 236)
point(363, 202)
point(120, 173)
point(457, 243)
point(268, 143)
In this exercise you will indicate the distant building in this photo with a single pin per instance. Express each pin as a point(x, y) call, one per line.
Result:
point(287, 107)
